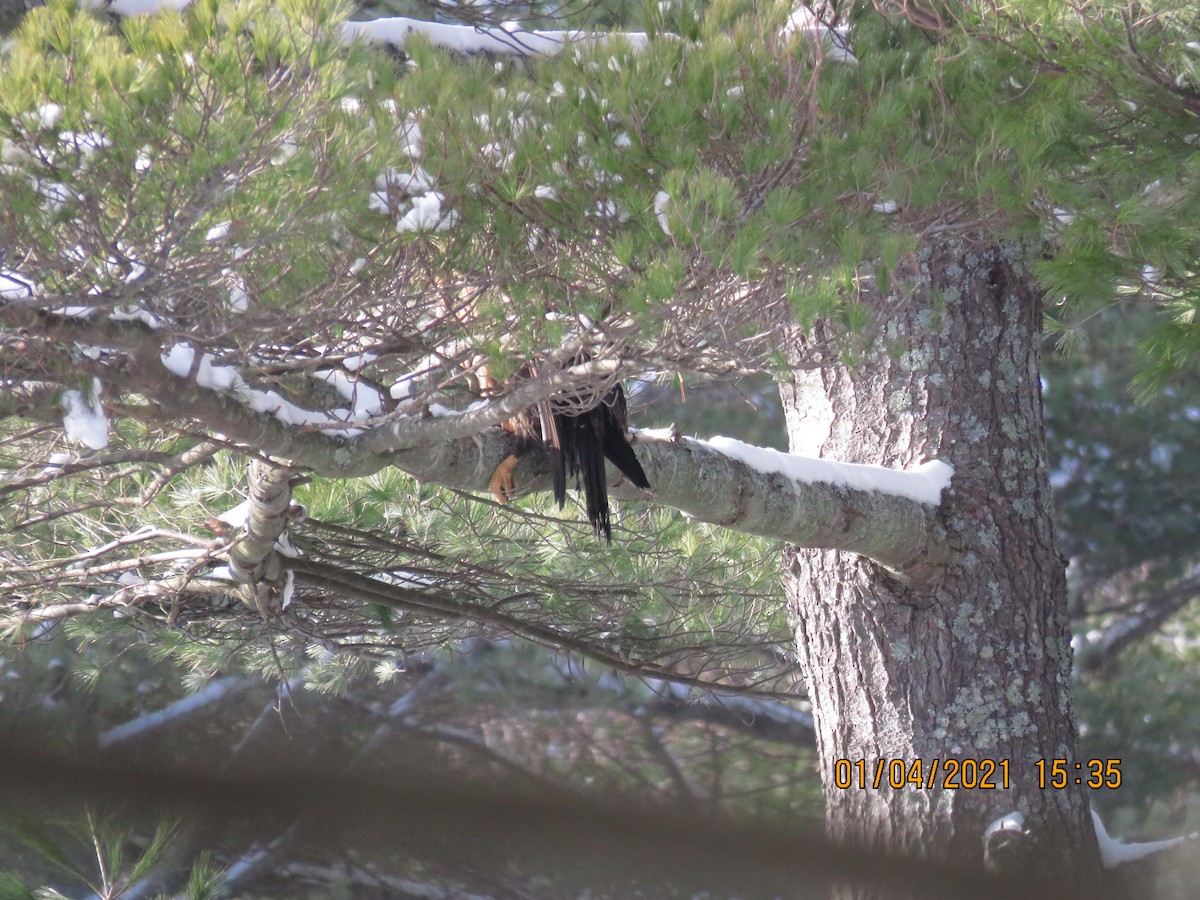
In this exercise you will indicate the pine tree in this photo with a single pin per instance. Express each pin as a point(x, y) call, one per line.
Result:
point(244, 233)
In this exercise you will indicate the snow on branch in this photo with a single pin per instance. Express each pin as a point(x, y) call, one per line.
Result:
point(829, 43)
point(923, 484)
point(506, 40)
point(364, 421)
point(467, 39)
point(1115, 853)
point(136, 7)
point(84, 420)
point(886, 515)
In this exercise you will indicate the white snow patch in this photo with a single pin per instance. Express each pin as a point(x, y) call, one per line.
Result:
point(406, 184)
point(358, 360)
point(545, 192)
point(289, 586)
point(285, 547)
point(924, 484)
point(406, 579)
point(239, 297)
point(14, 287)
point(497, 154)
point(610, 209)
point(287, 150)
point(179, 360)
point(218, 232)
point(364, 399)
point(137, 314)
point(56, 461)
point(426, 215)
point(509, 39)
point(830, 42)
point(55, 195)
point(222, 573)
point(412, 144)
point(84, 420)
point(670, 433)
point(379, 202)
point(402, 389)
point(46, 116)
point(1014, 821)
point(661, 201)
point(136, 271)
point(236, 516)
point(1116, 853)
point(137, 7)
point(84, 143)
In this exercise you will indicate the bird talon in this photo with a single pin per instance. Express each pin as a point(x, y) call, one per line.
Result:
point(503, 483)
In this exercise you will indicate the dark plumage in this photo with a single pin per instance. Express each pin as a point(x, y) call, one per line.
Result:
point(577, 443)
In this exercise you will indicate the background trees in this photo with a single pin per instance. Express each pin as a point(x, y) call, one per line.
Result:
point(234, 237)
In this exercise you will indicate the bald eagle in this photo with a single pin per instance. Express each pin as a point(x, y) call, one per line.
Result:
point(577, 441)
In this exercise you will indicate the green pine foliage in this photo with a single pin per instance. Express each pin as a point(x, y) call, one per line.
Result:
point(774, 169)
point(1127, 492)
point(98, 855)
point(713, 178)
point(168, 151)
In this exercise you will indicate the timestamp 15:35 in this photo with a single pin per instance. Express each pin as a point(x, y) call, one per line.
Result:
point(1092, 773)
point(953, 773)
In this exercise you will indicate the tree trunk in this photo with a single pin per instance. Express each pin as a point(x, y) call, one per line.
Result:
point(975, 666)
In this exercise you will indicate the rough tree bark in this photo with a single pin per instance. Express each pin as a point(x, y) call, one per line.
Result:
point(977, 665)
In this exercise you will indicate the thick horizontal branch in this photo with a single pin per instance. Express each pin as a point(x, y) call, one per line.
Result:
point(711, 486)
point(708, 483)
point(689, 475)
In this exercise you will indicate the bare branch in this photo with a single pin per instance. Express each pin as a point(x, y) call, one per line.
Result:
point(255, 560)
point(216, 691)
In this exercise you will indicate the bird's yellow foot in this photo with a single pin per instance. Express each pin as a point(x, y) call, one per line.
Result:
point(503, 483)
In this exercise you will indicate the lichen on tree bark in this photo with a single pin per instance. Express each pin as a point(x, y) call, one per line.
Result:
point(976, 666)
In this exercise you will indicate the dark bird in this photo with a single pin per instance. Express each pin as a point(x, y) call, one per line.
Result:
point(577, 441)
